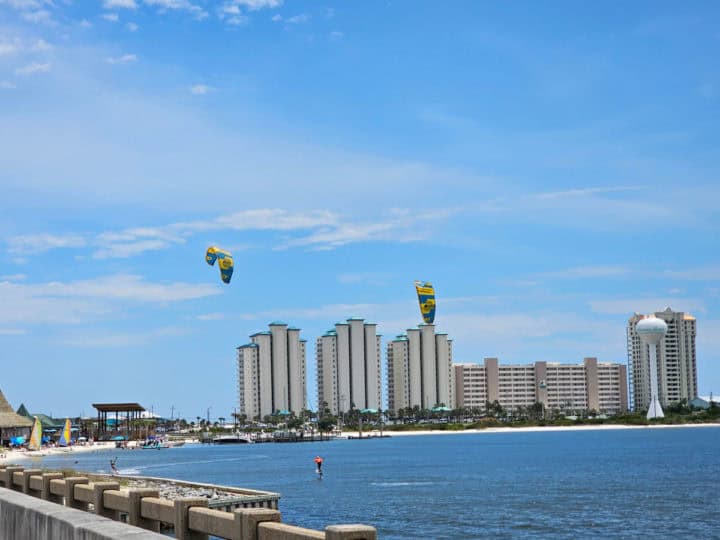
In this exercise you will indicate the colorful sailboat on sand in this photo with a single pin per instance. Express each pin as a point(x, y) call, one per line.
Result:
point(35, 442)
point(65, 435)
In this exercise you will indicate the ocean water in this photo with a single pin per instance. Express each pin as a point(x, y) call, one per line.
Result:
point(654, 483)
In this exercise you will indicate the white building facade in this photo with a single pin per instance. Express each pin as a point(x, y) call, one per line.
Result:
point(348, 367)
point(271, 372)
point(419, 368)
point(676, 361)
point(569, 388)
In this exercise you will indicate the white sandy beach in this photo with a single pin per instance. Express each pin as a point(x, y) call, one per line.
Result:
point(16, 456)
point(600, 427)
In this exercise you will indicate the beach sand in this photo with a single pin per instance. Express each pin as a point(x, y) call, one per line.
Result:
point(17, 456)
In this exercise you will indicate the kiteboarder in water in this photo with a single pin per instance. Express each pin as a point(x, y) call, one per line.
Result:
point(113, 466)
point(318, 462)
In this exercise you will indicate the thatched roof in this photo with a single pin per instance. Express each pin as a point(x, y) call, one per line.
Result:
point(9, 418)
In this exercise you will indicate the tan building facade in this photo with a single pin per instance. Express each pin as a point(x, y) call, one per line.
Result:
point(419, 369)
point(271, 372)
point(592, 385)
point(348, 367)
point(676, 358)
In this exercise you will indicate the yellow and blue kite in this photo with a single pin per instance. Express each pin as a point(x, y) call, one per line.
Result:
point(426, 298)
point(224, 259)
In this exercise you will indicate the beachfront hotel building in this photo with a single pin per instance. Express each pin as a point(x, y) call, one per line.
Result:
point(676, 359)
point(569, 388)
point(348, 367)
point(419, 370)
point(271, 372)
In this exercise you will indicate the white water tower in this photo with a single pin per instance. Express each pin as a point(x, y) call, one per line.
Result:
point(652, 331)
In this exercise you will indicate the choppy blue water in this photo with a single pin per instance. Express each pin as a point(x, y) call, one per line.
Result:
point(654, 483)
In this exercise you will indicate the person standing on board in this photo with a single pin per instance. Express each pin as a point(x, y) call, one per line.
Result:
point(319, 461)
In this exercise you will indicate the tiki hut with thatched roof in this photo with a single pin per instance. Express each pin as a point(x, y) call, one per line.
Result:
point(11, 423)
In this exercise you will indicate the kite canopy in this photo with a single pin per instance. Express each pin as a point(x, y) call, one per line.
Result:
point(426, 298)
point(224, 259)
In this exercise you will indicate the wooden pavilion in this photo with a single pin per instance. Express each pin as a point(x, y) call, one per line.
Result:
point(11, 423)
point(126, 416)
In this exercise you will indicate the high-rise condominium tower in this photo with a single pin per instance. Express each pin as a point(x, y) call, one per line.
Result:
point(348, 367)
point(420, 372)
point(271, 372)
point(676, 361)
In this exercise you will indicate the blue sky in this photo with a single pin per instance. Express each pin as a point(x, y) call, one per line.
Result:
point(551, 169)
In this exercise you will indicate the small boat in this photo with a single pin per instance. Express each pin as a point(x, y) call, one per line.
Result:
point(65, 436)
point(232, 439)
point(35, 442)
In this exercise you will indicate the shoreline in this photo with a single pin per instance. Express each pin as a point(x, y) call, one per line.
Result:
point(526, 429)
point(12, 456)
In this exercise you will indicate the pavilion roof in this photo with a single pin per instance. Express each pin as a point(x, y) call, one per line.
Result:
point(119, 407)
point(9, 418)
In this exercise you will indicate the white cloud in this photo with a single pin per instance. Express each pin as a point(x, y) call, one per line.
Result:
point(13, 277)
point(178, 5)
point(7, 85)
point(200, 89)
point(40, 16)
point(85, 23)
point(77, 301)
point(298, 19)
point(8, 48)
point(12, 332)
point(124, 59)
point(584, 192)
point(132, 27)
point(105, 340)
point(591, 272)
point(122, 4)
point(276, 18)
point(40, 243)
point(41, 45)
point(32, 68)
point(112, 17)
point(628, 306)
point(211, 317)
point(237, 20)
point(701, 273)
point(254, 5)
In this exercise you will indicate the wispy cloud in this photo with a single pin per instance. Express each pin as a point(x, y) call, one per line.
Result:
point(7, 85)
point(40, 243)
point(584, 192)
point(178, 5)
point(200, 89)
point(13, 277)
point(628, 306)
point(112, 17)
point(210, 317)
point(73, 302)
point(121, 4)
point(329, 231)
point(132, 27)
point(33, 68)
point(701, 273)
point(99, 339)
point(581, 272)
point(12, 332)
point(298, 19)
point(40, 16)
point(123, 59)
point(254, 5)
point(8, 48)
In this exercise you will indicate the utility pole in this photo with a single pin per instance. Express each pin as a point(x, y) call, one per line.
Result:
point(172, 412)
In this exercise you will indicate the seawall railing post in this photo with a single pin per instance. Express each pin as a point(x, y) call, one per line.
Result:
point(7, 476)
point(135, 515)
point(98, 489)
point(250, 517)
point(182, 528)
point(46, 494)
point(27, 473)
point(70, 483)
point(350, 532)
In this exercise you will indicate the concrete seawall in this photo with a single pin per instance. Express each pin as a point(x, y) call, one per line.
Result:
point(23, 517)
point(46, 505)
